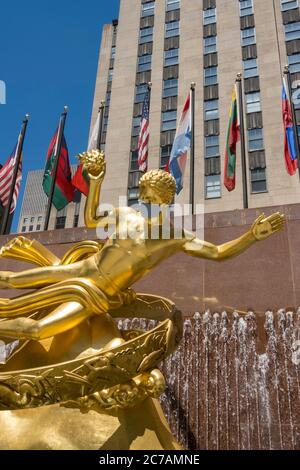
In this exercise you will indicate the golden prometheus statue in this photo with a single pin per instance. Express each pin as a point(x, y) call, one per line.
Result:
point(64, 360)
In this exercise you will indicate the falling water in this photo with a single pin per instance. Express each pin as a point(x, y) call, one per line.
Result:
point(221, 393)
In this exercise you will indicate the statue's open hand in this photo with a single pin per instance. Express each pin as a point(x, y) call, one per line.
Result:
point(94, 163)
point(264, 227)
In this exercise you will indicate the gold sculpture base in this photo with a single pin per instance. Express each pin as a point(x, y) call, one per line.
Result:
point(55, 428)
point(87, 401)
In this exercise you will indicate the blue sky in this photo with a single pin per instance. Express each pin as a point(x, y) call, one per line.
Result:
point(48, 59)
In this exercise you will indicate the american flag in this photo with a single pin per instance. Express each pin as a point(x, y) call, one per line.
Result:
point(144, 134)
point(6, 180)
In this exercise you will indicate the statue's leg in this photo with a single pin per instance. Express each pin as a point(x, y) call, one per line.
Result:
point(39, 277)
point(82, 291)
point(63, 318)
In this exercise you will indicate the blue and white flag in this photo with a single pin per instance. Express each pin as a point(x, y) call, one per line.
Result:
point(181, 145)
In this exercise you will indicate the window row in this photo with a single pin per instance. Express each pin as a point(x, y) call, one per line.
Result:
point(170, 88)
point(148, 9)
point(213, 188)
point(33, 219)
point(258, 183)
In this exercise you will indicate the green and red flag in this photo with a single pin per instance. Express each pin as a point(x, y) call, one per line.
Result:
point(64, 190)
point(233, 137)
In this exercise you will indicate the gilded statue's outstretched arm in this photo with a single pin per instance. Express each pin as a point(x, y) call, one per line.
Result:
point(94, 163)
point(260, 230)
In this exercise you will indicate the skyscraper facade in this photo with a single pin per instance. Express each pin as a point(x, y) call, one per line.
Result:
point(172, 43)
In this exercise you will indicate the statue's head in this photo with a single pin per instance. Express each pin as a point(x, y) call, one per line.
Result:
point(157, 187)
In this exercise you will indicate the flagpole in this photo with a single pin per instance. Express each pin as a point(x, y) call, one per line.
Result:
point(289, 83)
point(192, 159)
point(58, 146)
point(243, 143)
point(100, 130)
point(18, 156)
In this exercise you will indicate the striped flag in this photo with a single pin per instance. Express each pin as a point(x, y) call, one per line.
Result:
point(181, 145)
point(143, 145)
point(6, 180)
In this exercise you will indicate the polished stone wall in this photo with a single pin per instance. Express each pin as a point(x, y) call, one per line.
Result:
point(265, 277)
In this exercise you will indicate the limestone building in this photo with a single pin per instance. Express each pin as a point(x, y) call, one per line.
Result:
point(175, 42)
point(34, 205)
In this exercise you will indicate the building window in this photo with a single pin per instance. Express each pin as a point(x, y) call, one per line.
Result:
point(38, 227)
point(105, 123)
point(31, 228)
point(60, 223)
point(146, 35)
point(165, 154)
point(113, 52)
point(140, 92)
point(258, 181)
point(144, 63)
point(288, 4)
point(212, 187)
point(210, 16)
point(211, 110)
point(172, 29)
point(173, 5)
point(136, 125)
point(148, 9)
point(294, 63)
point(40, 218)
point(210, 44)
point(76, 220)
point(211, 76)
point(110, 75)
point(246, 7)
point(253, 102)
point(212, 146)
point(23, 229)
point(292, 31)
point(133, 196)
point(255, 140)
point(108, 97)
point(134, 166)
point(25, 220)
point(169, 119)
point(32, 219)
point(248, 36)
point(170, 87)
point(171, 57)
point(250, 68)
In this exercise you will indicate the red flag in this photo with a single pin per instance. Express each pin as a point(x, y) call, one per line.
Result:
point(80, 181)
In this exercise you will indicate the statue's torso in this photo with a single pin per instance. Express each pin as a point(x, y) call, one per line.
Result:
point(138, 245)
